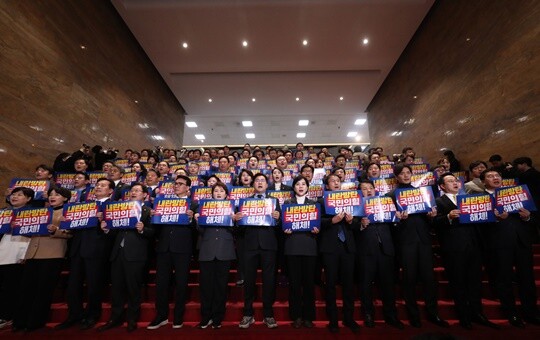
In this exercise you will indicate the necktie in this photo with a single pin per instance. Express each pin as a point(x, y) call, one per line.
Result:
point(260, 196)
point(341, 234)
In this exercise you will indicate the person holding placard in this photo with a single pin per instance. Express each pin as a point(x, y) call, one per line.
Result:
point(43, 263)
point(12, 252)
point(277, 177)
point(414, 245)
point(260, 246)
point(462, 255)
point(509, 242)
point(128, 258)
point(301, 253)
point(375, 255)
point(337, 246)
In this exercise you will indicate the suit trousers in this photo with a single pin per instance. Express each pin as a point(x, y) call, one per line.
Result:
point(339, 265)
point(379, 268)
point(166, 263)
point(10, 278)
point(95, 272)
point(267, 260)
point(39, 279)
point(127, 279)
point(417, 263)
point(214, 278)
point(301, 286)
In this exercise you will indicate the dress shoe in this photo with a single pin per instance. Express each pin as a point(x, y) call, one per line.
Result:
point(352, 325)
point(308, 324)
point(482, 320)
point(109, 325)
point(394, 322)
point(368, 321)
point(533, 320)
point(436, 320)
point(66, 324)
point(297, 323)
point(87, 324)
point(516, 321)
point(466, 324)
point(333, 328)
point(131, 326)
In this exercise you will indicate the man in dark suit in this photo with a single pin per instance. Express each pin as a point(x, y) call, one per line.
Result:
point(89, 253)
point(260, 245)
point(375, 255)
point(115, 174)
point(174, 250)
point(336, 243)
point(509, 242)
point(128, 257)
point(462, 255)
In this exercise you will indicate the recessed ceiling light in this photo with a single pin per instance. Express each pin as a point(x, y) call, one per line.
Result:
point(199, 136)
point(136, 101)
point(244, 43)
point(250, 135)
point(340, 98)
point(303, 122)
point(301, 135)
point(191, 124)
point(157, 137)
point(83, 47)
point(209, 100)
point(468, 39)
point(59, 140)
point(305, 42)
point(352, 134)
point(35, 127)
point(247, 123)
point(253, 100)
point(365, 41)
point(297, 99)
point(360, 121)
point(185, 45)
point(414, 97)
point(2, 150)
point(141, 125)
point(358, 138)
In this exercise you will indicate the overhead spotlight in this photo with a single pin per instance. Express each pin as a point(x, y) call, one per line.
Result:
point(185, 45)
point(209, 100)
point(305, 42)
point(365, 41)
point(297, 99)
point(253, 100)
point(340, 98)
point(245, 43)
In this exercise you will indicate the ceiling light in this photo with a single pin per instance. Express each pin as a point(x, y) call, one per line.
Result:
point(136, 101)
point(59, 140)
point(250, 135)
point(35, 127)
point(414, 97)
point(468, 39)
point(253, 100)
point(185, 45)
point(141, 125)
point(522, 119)
point(244, 43)
point(303, 122)
point(498, 132)
point(2, 150)
point(301, 135)
point(247, 123)
point(83, 47)
point(365, 41)
point(209, 100)
point(360, 121)
point(358, 138)
point(396, 133)
point(304, 42)
point(199, 136)
point(297, 99)
point(352, 134)
point(340, 98)
point(191, 124)
point(157, 137)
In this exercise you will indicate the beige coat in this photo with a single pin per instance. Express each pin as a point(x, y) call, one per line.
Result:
point(49, 246)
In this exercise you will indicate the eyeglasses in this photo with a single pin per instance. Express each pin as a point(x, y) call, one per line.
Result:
point(179, 183)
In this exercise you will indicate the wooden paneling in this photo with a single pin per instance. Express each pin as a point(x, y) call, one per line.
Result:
point(474, 68)
point(55, 95)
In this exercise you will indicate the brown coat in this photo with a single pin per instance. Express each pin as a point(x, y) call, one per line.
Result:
point(49, 246)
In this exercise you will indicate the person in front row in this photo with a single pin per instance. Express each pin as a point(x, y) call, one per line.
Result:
point(375, 255)
point(260, 247)
point(301, 253)
point(414, 245)
point(509, 242)
point(462, 255)
point(215, 256)
point(337, 246)
point(128, 259)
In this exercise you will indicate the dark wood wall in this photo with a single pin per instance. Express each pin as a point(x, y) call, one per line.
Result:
point(55, 95)
point(474, 68)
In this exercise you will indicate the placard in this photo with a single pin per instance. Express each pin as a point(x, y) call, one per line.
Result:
point(216, 213)
point(423, 179)
point(387, 170)
point(349, 186)
point(80, 215)
point(475, 208)
point(415, 200)
point(509, 182)
point(65, 180)
point(349, 202)
point(40, 186)
point(379, 209)
point(201, 193)
point(122, 215)
point(28, 222)
point(257, 211)
point(6, 215)
point(236, 193)
point(384, 185)
point(94, 176)
point(511, 199)
point(301, 217)
point(280, 195)
point(350, 175)
point(419, 168)
point(315, 191)
point(225, 177)
point(129, 177)
point(171, 211)
point(165, 189)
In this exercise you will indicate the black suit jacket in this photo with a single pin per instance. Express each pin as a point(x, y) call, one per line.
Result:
point(374, 237)
point(135, 243)
point(284, 187)
point(263, 237)
point(328, 237)
point(453, 236)
point(300, 243)
point(176, 238)
point(91, 243)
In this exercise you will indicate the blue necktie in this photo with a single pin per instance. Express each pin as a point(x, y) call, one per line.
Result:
point(341, 234)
